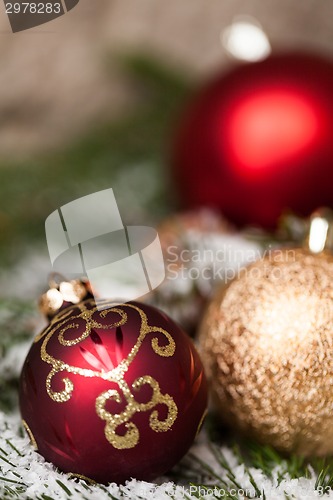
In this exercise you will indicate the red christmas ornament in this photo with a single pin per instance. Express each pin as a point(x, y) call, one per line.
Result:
point(258, 141)
point(112, 394)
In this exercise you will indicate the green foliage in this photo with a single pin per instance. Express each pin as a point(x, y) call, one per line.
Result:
point(33, 188)
point(15, 327)
point(16, 317)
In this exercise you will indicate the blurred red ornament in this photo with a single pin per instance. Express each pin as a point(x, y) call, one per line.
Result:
point(113, 394)
point(258, 141)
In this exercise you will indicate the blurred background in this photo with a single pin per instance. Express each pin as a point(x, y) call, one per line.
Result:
point(91, 100)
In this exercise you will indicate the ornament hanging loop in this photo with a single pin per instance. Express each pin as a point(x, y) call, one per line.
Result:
point(320, 235)
point(63, 293)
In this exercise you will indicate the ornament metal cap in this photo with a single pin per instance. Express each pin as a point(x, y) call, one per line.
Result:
point(63, 293)
point(320, 236)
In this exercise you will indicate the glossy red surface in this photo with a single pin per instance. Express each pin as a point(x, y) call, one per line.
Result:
point(257, 141)
point(71, 434)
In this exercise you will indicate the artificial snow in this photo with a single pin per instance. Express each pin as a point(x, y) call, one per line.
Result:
point(19, 463)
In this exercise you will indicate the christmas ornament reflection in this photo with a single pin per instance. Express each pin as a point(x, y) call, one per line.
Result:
point(112, 394)
point(267, 343)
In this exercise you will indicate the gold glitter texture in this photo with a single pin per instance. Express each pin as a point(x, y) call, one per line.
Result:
point(74, 475)
point(267, 344)
point(30, 434)
point(59, 326)
point(131, 438)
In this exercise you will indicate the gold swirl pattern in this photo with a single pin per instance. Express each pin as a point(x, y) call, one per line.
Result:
point(61, 326)
point(30, 434)
point(131, 438)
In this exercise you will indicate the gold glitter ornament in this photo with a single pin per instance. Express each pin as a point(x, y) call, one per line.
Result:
point(267, 345)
